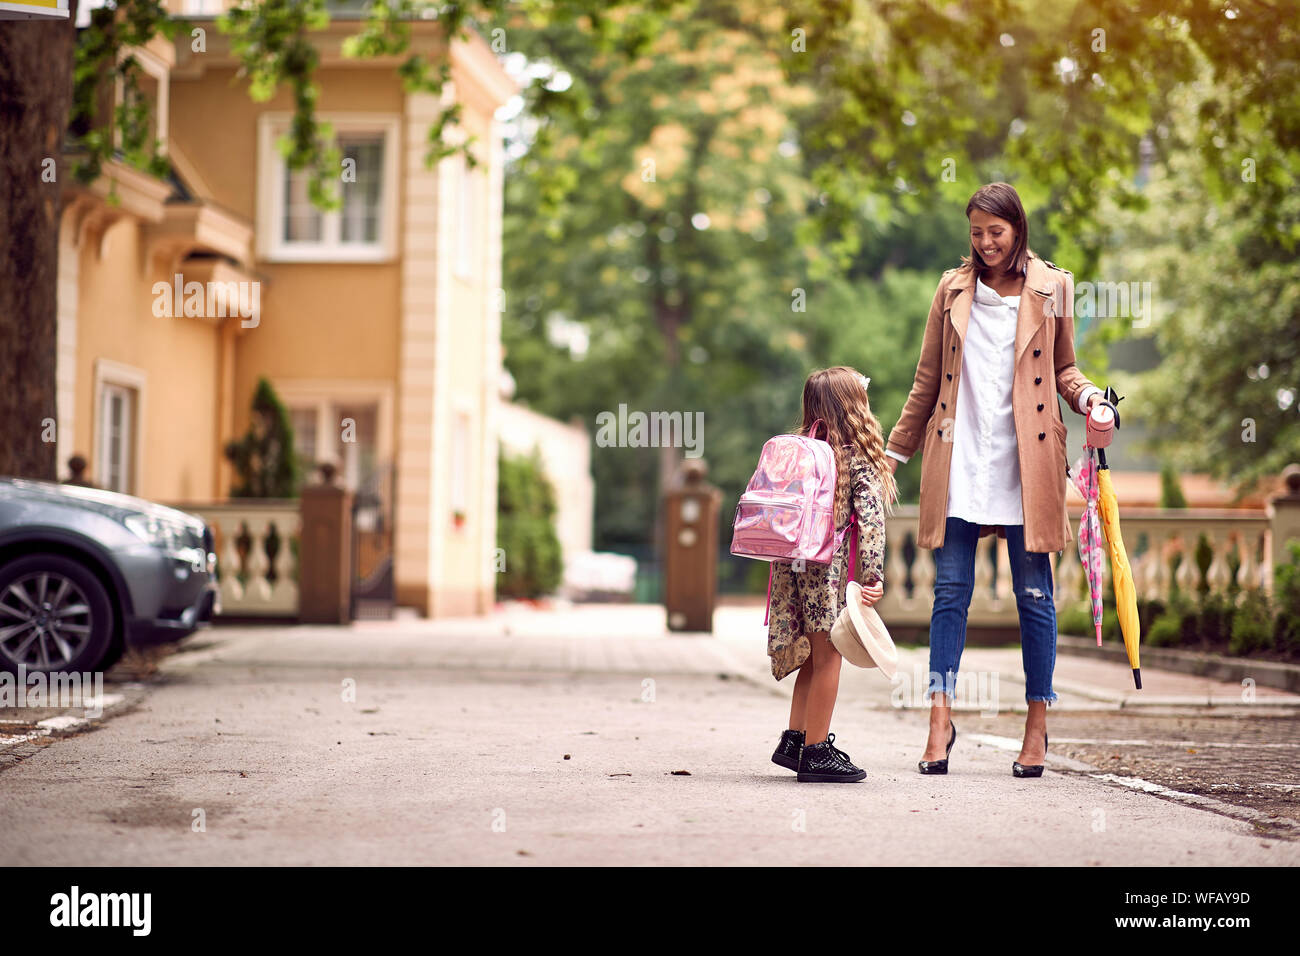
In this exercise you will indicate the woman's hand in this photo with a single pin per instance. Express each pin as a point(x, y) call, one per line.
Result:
point(892, 462)
point(872, 593)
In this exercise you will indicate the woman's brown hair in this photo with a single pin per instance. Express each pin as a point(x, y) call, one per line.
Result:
point(1001, 200)
point(838, 396)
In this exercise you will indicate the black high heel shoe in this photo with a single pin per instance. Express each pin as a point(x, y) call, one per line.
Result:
point(939, 766)
point(1032, 770)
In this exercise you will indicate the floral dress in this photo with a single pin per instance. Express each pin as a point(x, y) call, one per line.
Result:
point(808, 601)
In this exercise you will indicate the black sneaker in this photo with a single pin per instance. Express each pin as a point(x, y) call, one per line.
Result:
point(787, 751)
point(823, 763)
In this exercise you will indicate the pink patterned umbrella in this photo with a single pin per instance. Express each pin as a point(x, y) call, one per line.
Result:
point(1090, 540)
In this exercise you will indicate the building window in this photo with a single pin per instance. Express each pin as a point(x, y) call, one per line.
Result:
point(301, 222)
point(117, 426)
point(363, 197)
point(343, 433)
point(303, 421)
point(363, 229)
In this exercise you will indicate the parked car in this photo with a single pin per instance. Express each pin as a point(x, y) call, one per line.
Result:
point(86, 573)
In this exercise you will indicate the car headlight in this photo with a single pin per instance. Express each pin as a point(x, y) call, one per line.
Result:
point(161, 534)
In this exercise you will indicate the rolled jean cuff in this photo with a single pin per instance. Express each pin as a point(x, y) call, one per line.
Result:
point(939, 684)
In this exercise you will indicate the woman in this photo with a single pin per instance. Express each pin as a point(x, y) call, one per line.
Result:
point(999, 338)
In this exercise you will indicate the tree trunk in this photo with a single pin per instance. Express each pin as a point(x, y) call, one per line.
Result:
point(35, 96)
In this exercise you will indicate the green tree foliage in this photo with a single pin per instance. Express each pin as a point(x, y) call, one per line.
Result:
point(103, 57)
point(265, 460)
point(650, 251)
point(622, 294)
point(526, 528)
point(917, 98)
point(1223, 267)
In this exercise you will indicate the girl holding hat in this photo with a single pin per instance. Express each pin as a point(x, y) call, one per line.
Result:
point(998, 349)
point(806, 601)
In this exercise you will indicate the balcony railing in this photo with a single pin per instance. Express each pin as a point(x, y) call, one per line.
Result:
point(1155, 539)
point(257, 543)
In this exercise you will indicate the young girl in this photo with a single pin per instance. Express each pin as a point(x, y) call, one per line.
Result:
point(806, 602)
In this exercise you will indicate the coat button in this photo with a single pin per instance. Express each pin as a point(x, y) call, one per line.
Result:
point(1042, 435)
point(1037, 381)
point(943, 404)
point(940, 432)
point(950, 376)
point(954, 348)
point(1037, 352)
point(1040, 406)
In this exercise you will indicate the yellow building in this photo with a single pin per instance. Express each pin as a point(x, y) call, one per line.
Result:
point(378, 324)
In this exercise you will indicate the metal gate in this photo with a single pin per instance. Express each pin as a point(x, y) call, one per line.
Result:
point(373, 591)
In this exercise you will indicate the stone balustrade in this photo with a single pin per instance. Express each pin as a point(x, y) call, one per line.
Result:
point(256, 542)
point(1240, 542)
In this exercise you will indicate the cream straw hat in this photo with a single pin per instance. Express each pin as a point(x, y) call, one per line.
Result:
point(861, 636)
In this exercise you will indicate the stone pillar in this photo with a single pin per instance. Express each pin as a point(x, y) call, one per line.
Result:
point(325, 554)
point(1283, 521)
point(691, 551)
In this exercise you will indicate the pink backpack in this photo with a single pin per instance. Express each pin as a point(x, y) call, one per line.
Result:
point(787, 512)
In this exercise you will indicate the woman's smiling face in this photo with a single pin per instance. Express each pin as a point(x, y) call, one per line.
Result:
point(993, 237)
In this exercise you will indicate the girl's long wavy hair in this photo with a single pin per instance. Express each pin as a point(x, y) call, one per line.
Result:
point(838, 396)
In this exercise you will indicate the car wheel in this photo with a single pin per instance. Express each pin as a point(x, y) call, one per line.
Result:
point(55, 615)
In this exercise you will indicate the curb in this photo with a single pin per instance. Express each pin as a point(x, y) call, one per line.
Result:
point(1273, 674)
point(14, 749)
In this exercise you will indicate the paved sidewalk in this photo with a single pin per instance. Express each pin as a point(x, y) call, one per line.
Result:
point(555, 738)
point(632, 637)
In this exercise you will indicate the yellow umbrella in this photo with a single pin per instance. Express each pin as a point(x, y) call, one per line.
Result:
point(1121, 575)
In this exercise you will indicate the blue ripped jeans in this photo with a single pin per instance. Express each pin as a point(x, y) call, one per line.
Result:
point(954, 583)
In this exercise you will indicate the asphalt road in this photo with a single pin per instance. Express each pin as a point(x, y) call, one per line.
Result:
point(447, 743)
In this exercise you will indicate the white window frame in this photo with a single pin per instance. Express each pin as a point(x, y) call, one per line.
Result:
point(110, 374)
point(271, 197)
point(322, 395)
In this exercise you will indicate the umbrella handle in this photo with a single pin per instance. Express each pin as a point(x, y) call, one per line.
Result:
point(1113, 398)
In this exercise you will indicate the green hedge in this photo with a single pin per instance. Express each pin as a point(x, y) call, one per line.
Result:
point(1212, 621)
point(533, 562)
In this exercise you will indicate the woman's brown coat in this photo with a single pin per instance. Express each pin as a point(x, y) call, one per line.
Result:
point(1044, 364)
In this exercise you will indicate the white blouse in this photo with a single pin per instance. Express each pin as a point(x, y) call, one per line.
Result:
point(984, 476)
point(985, 456)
